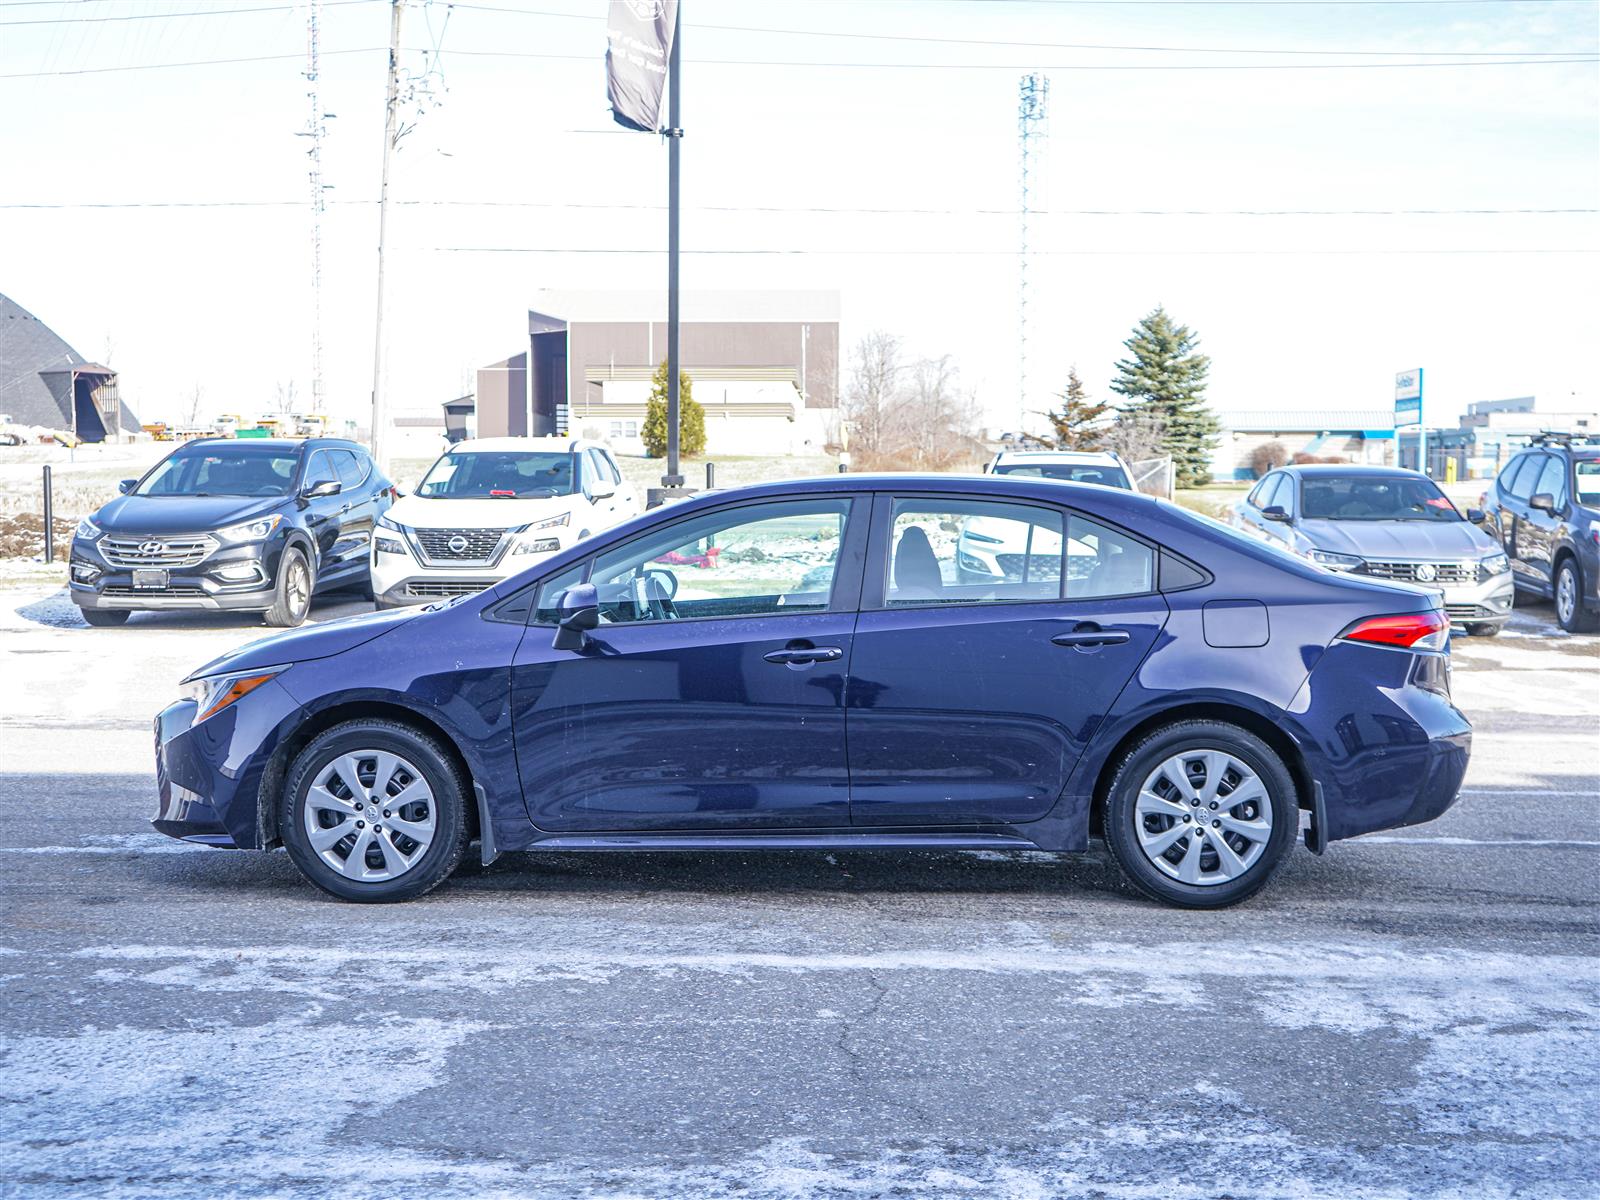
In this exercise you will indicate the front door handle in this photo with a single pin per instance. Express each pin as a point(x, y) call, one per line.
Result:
point(1092, 635)
point(806, 654)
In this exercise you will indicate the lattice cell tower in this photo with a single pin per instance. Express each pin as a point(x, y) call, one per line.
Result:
point(1033, 125)
point(316, 128)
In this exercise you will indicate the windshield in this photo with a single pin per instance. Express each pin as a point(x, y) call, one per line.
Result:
point(1374, 498)
point(223, 471)
point(1586, 474)
point(1105, 476)
point(476, 475)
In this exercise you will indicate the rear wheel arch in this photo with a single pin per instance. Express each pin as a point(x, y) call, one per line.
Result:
point(1228, 714)
point(269, 801)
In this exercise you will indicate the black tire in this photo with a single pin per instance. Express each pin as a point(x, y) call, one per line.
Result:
point(294, 586)
point(105, 618)
point(1482, 629)
point(1571, 615)
point(1122, 818)
point(442, 777)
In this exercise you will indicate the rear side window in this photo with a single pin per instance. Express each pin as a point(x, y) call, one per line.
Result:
point(971, 552)
point(1102, 561)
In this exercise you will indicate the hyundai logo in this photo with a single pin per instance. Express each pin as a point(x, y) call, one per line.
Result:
point(152, 547)
point(458, 544)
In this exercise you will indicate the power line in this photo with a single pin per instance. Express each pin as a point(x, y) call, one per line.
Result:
point(1036, 45)
point(199, 62)
point(167, 16)
point(944, 253)
point(792, 210)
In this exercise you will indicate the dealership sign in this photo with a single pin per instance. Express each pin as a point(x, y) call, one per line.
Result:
point(1408, 398)
point(638, 43)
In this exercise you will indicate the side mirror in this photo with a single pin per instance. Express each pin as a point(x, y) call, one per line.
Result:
point(1477, 516)
point(127, 485)
point(1544, 502)
point(580, 612)
point(1276, 512)
point(328, 487)
point(595, 492)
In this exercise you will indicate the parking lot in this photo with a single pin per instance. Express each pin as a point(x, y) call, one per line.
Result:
point(1416, 1013)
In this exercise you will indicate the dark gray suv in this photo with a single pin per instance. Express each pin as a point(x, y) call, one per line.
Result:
point(1545, 509)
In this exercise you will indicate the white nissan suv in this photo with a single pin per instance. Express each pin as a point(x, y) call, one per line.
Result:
point(491, 508)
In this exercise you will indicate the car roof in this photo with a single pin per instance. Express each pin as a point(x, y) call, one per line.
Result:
point(1024, 487)
point(533, 445)
point(1313, 470)
point(1095, 456)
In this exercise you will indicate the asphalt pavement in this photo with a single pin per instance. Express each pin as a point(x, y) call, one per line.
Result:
point(1415, 1014)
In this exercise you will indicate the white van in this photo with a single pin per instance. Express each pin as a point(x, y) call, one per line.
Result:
point(491, 508)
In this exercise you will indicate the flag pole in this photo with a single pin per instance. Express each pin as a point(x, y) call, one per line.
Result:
point(674, 131)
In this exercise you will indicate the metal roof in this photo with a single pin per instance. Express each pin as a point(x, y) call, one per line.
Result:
point(30, 350)
point(1314, 420)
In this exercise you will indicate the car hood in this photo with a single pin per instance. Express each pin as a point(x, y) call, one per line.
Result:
point(310, 641)
point(182, 514)
point(418, 512)
point(1398, 539)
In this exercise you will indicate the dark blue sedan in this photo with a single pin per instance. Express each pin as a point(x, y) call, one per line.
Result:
point(849, 663)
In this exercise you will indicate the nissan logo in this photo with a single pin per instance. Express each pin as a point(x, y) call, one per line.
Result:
point(152, 547)
point(458, 544)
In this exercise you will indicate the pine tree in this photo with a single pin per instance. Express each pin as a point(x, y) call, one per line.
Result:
point(1165, 381)
point(1079, 423)
point(691, 417)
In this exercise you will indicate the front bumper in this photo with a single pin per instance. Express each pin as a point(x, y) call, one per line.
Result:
point(231, 578)
point(1487, 603)
point(399, 579)
point(208, 776)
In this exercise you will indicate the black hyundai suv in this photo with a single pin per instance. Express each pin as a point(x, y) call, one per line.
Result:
point(223, 524)
point(1545, 508)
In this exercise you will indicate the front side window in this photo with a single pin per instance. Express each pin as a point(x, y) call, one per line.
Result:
point(547, 606)
point(477, 475)
point(223, 471)
point(1522, 472)
point(1375, 498)
point(1552, 481)
point(755, 560)
point(969, 552)
point(320, 470)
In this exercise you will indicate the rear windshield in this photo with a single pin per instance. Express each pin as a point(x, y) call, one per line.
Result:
point(223, 471)
point(1586, 474)
point(1105, 475)
point(1374, 498)
point(476, 475)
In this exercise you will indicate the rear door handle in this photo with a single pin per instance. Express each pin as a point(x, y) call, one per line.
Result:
point(808, 654)
point(1092, 637)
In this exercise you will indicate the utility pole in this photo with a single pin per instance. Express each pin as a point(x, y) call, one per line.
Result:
point(379, 415)
point(315, 130)
point(1033, 111)
point(674, 134)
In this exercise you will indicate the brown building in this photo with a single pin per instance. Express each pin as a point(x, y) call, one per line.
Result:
point(765, 367)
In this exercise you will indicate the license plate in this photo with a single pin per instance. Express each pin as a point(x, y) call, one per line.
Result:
point(151, 577)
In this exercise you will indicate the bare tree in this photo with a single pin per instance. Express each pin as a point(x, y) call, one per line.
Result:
point(876, 375)
point(191, 407)
point(1136, 436)
point(937, 420)
point(285, 398)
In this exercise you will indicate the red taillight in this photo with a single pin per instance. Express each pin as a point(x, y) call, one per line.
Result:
point(1408, 631)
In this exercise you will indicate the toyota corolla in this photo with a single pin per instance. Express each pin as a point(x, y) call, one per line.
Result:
point(806, 665)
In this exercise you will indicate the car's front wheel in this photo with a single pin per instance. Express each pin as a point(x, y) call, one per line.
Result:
point(374, 811)
point(104, 618)
point(1569, 599)
point(292, 601)
point(1199, 814)
point(1482, 629)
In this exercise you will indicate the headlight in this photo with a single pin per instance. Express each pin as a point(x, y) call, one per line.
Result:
point(537, 546)
point(250, 531)
point(213, 693)
point(1495, 564)
point(388, 545)
point(385, 523)
point(87, 530)
point(1335, 562)
point(548, 523)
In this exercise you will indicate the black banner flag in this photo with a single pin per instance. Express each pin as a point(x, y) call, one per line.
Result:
point(638, 41)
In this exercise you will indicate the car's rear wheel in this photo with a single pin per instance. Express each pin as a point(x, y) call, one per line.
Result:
point(1569, 600)
point(1199, 814)
point(374, 811)
point(293, 600)
point(104, 618)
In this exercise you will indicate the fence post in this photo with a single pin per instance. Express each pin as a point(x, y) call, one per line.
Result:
point(49, 520)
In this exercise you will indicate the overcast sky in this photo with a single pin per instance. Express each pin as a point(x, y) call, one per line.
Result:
point(859, 163)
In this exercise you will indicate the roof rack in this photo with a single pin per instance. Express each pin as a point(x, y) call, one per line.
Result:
point(1551, 437)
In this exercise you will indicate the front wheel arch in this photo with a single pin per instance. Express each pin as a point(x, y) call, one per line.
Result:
point(1229, 714)
point(269, 801)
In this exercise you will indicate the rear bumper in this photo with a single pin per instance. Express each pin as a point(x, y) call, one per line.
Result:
point(208, 776)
